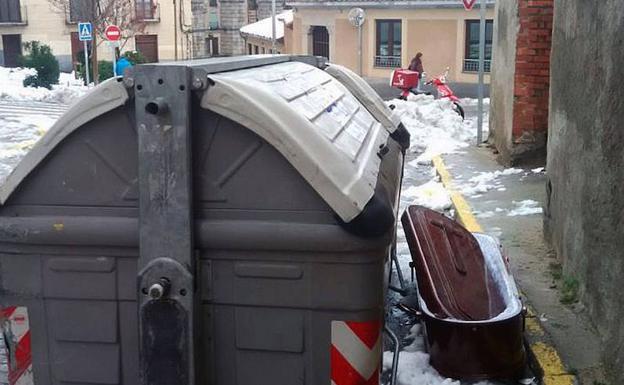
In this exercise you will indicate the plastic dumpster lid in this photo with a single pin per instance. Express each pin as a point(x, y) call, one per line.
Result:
point(366, 95)
point(101, 99)
point(313, 121)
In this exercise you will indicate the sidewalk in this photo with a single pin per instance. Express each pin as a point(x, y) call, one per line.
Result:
point(507, 203)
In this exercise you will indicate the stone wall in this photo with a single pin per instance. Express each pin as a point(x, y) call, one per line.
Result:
point(519, 113)
point(232, 16)
point(585, 209)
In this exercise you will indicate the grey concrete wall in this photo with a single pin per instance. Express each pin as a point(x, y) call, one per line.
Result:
point(506, 27)
point(585, 211)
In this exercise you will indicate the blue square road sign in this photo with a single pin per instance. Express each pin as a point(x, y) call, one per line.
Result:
point(85, 32)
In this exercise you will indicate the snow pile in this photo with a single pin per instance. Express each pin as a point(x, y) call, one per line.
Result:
point(434, 126)
point(486, 181)
point(432, 195)
point(526, 207)
point(414, 368)
point(12, 88)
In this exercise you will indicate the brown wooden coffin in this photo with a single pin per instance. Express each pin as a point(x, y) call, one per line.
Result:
point(472, 314)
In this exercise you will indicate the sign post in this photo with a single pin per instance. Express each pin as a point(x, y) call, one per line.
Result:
point(85, 34)
point(113, 34)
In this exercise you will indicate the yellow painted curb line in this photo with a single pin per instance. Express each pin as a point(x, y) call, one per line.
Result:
point(462, 208)
point(549, 361)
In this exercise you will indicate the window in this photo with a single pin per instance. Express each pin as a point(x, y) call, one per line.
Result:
point(471, 57)
point(10, 11)
point(145, 9)
point(388, 43)
point(263, 50)
point(249, 49)
point(256, 49)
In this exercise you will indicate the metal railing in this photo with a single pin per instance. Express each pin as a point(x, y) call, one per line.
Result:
point(472, 65)
point(17, 16)
point(388, 61)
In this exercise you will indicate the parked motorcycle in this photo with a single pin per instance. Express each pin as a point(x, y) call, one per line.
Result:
point(445, 91)
point(411, 82)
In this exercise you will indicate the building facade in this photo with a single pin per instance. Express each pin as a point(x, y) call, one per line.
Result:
point(154, 32)
point(392, 33)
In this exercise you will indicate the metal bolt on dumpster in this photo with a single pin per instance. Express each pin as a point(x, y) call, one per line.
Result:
point(224, 222)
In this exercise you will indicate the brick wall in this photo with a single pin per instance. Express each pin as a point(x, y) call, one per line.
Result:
point(532, 76)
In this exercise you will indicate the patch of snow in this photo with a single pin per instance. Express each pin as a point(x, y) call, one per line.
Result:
point(434, 126)
point(486, 181)
point(538, 170)
point(526, 207)
point(414, 367)
point(432, 195)
point(12, 87)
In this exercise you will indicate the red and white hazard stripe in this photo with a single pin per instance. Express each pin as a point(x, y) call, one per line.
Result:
point(355, 352)
point(15, 328)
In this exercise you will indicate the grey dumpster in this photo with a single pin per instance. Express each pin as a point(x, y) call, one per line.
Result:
point(221, 222)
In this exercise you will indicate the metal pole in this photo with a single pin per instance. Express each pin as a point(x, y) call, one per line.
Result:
point(175, 30)
point(86, 53)
point(481, 74)
point(114, 58)
point(360, 49)
point(273, 26)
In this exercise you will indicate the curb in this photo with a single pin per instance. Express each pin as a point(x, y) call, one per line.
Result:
point(543, 354)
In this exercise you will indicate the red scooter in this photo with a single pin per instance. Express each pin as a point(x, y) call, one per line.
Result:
point(444, 91)
point(408, 82)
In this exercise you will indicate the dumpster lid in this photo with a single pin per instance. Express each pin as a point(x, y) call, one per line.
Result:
point(313, 120)
point(366, 95)
point(109, 95)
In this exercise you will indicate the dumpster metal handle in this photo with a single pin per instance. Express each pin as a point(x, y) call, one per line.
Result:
point(395, 356)
point(167, 278)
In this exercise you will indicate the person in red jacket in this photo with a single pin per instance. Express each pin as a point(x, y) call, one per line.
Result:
point(416, 65)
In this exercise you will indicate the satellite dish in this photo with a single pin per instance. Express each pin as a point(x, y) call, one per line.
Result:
point(356, 17)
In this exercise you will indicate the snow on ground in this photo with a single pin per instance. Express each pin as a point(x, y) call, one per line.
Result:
point(435, 127)
point(431, 194)
point(12, 88)
point(414, 368)
point(526, 207)
point(486, 181)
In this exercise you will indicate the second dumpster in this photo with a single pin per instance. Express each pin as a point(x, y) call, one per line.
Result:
point(217, 222)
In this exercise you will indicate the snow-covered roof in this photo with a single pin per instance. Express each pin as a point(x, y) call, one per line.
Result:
point(264, 28)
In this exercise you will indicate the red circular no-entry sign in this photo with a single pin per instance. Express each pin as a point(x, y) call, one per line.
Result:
point(112, 33)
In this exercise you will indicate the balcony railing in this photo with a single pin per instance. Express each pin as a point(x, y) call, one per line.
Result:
point(147, 12)
point(388, 61)
point(13, 15)
point(472, 65)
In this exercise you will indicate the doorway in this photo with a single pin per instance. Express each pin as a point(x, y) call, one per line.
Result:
point(320, 41)
point(147, 45)
point(12, 45)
